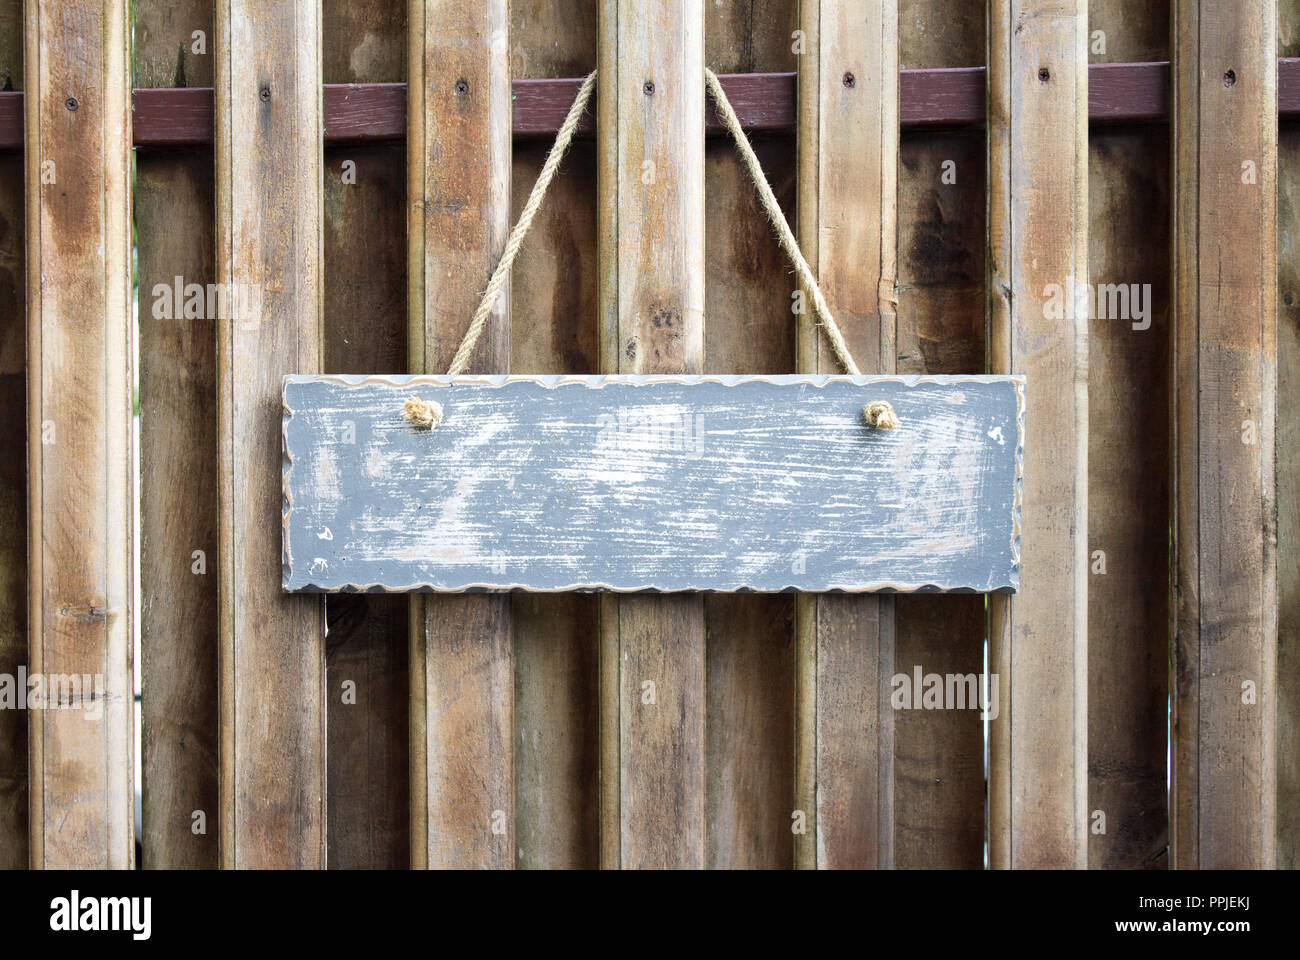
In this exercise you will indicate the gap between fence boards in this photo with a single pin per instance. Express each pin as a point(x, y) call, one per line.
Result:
point(939, 97)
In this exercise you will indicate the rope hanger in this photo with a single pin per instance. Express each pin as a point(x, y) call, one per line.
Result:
point(878, 414)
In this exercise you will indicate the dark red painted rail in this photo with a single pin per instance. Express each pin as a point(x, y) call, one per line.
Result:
point(1117, 93)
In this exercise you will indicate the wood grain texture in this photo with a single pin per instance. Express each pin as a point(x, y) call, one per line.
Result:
point(166, 52)
point(1288, 507)
point(272, 647)
point(13, 334)
point(848, 186)
point(557, 777)
point(458, 191)
point(650, 151)
point(79, 431)
point(559, 484)
point(1038, 229)
point(11, 45)
point(553, 330)
point(930, 98)
point(1288, 466)
point(13, 473)
point(1288, 29)
point(939, 754)
point(1223, 804)
point(367, 644)
point(749, 763)
point(934, 33)
point(363, 41)
point(178, 455)
point(1128, 463)
point(13, 510)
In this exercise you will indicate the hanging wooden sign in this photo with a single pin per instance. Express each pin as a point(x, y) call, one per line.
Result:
point(631, 483)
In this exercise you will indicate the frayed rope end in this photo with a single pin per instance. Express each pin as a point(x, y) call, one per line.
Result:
point(879, 415)
point(421, 414)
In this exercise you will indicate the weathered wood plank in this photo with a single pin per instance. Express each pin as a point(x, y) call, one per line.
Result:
point(178, 517)
point(749, 732)
point(939, 754)
point(368, 637)
point(553, 330)
point(1129, 435)
point(749, 761)
point(13, 461)
point(1223, 803)
point(1288, 465)
point(272, 647)
point(1128, 462)
point(78, 166)
point(629, 484)
point(458, 194)
point(650, 150)
point(848, 179)
point(13, 602)
point(11, 45)
point(1038, 230)
point(557, 780)
point(178, 455)
point(367, 645)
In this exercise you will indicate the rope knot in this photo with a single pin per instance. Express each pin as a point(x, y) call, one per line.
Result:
point(879, 415)
point(422, 414)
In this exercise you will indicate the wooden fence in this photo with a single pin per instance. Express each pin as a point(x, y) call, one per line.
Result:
point(945, 163)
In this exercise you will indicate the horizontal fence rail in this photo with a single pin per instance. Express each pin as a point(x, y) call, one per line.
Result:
point(940, 97)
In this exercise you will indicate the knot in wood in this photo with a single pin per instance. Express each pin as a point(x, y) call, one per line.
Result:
point(422, 414)
point(879, 415)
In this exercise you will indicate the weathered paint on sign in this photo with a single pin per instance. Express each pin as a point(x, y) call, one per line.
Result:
point(652, 483)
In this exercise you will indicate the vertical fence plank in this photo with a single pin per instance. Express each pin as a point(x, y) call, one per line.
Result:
point(1288, 466)
point(78, 152)
point(11, 45)
point(1128, 462)
point(272, 646)
point(13, 587)
point(1225, 347)
point(749, 761)
point(178, 456)
point(848, 178)
point(553, 330)
point(651, 229)
point(462, 669)
point(1038, 207)
point(364, 291)
point(13, 461)
point(939, 754)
